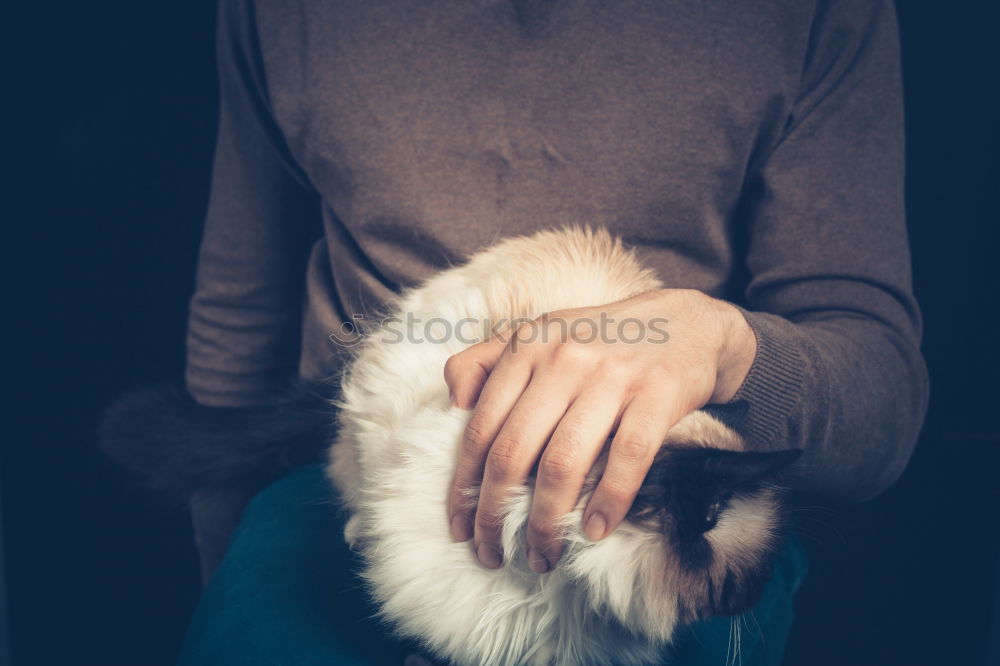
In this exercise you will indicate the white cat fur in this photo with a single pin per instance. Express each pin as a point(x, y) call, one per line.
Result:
point(611, 601)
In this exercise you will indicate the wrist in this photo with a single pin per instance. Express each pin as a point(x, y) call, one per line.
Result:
point(737, 351)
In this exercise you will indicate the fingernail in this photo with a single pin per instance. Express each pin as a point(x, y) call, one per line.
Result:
point(488, 556)
point(595, 527)
point(460, 528)
point(538, 562)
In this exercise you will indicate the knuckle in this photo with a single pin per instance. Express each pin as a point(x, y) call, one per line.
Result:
point(540, 530)
point(632, 449)
point(463, 498)
point(573, 354)
point(661, 378)
point(453, 368)
point(643, 421)
point(518, 356)
point(569, 436)
point(502, 457)
point(476, 437)
point(616, 494)
point(615, 374)
point(488, 521)
point(558, 467)
point(526, 332)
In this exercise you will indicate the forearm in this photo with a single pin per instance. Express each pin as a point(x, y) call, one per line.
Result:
point(837, 369)
point(244, 328)
point(850, 391)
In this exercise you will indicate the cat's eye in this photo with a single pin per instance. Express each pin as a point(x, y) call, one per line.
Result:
point(714, 509)
point(712, 516)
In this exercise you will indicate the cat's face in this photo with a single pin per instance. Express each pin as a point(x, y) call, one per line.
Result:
point(720, 517)
point(698, 541)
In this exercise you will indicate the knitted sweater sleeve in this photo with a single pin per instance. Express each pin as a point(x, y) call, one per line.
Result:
point(838, 370)
point(245, 317)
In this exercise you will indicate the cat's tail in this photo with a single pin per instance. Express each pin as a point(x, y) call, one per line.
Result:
point(176, 446)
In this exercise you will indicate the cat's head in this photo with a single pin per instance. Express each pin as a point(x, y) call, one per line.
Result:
point(720, 516)
point(698, 541)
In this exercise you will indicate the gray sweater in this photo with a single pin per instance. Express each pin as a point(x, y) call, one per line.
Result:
point(751, 150)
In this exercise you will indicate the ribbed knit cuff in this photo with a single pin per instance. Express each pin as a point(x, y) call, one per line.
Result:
point(772, 386)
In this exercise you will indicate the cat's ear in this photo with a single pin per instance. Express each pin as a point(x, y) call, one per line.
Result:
point(731, 414)
point(731, 470)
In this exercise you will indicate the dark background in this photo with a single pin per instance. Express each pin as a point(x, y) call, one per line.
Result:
point(113, 139)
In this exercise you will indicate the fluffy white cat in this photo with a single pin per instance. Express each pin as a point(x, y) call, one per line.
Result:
point(697, 542)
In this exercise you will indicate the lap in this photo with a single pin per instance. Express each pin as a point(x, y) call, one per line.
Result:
point(287, 592)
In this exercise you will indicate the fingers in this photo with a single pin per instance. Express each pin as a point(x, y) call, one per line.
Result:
point(562, 470)
point(466, 372)
point(514, 452)
point(554, 405)
point(644, 425)
point(502, 389)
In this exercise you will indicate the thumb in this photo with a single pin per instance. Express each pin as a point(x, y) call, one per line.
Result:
point(467, 372)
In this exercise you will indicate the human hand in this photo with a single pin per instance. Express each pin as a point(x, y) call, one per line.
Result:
point(547, 394)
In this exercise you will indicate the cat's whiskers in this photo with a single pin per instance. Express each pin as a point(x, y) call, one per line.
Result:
point(732, 650)
point(760, 630)
point(816, 522)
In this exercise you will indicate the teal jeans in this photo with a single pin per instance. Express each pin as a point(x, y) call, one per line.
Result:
point(286, 594)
